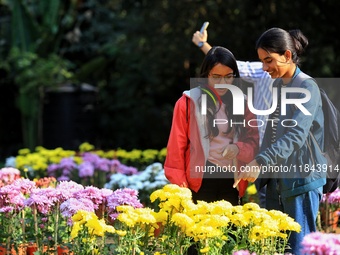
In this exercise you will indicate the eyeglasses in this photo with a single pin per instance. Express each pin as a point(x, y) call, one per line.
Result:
point(227, 78)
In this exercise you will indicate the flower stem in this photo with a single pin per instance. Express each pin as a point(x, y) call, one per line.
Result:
point(56, 225)
point(37, 240)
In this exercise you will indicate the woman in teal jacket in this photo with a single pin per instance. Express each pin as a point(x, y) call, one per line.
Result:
point(289, 162)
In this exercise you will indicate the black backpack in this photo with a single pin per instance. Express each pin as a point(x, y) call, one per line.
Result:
point(332, 142)
point(331, 137)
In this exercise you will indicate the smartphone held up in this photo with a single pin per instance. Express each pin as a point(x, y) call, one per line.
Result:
point(204, 27)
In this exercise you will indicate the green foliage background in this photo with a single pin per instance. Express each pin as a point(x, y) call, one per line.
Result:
point(140, 57)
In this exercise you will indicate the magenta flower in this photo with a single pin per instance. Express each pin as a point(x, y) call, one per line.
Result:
point(334, 197)
point(318, 243)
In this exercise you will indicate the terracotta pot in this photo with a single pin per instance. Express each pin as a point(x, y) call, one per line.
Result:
point(331, 219)
point(21, 250)
point(3, 250)
point(62, 250)
point(33, 248)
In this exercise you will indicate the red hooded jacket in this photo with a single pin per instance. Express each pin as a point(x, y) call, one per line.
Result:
point(187, 146)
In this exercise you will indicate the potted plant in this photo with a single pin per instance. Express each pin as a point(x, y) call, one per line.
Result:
point(330, 210)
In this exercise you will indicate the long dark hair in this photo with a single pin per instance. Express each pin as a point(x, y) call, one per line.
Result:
point(278, 40)
point(220, 55)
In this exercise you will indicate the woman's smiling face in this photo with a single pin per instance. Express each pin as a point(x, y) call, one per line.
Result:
point(275, 64)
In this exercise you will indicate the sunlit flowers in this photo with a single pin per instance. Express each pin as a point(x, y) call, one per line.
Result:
point(8, 175)
point(219, 227)
point(91, 220)
point(85, 230)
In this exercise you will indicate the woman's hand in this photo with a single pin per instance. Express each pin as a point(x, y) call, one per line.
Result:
point(250, 173)
point(199, 37)
point(230, 151)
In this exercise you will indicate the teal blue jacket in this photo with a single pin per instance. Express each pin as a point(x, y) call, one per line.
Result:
point(289, 159)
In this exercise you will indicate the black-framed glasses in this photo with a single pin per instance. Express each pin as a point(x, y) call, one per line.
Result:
point(227, 78)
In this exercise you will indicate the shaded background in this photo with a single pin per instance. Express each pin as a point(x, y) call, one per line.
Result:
point(110, 72)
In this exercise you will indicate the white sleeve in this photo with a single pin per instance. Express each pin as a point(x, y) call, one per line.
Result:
point(252, 71)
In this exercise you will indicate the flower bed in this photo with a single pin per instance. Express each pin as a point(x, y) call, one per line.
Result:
point(87, 166)
point(90, 220)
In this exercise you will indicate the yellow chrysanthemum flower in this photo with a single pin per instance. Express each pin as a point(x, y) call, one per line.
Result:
point(255, 234)
point(205, 249)
point(96, 227)
point(86, 147)
point(24, 151)
point(251, 190)
point(251, 207)
point(182, 220)
point(220, 207)
point(121, 232)
point(75, 230)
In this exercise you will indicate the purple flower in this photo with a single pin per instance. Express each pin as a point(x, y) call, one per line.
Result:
point(72, 205)
point(67, 163)
point(119, 197)
point(100, 164)
point(115, 164)
point(86, 169)
point(63, 178)
point(52, 169)
point(103, 164)
point(65, 168)
point(127, 170)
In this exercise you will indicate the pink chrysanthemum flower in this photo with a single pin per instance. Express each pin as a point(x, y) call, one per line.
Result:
point(67, 189)
point(43, 199)
point(318, 243)
point(92, 193)
point(72, 205)
point(8, 175)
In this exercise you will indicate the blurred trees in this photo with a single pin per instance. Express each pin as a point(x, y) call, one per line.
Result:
point(140, 57)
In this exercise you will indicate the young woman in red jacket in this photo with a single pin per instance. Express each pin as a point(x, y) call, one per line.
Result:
point(208, 143)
